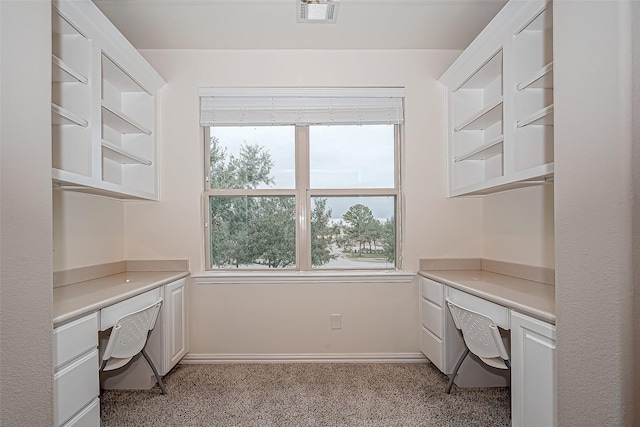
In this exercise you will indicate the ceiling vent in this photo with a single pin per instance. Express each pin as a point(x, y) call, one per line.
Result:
point(317, 11)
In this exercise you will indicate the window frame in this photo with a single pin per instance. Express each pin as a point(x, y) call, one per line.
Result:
point(303, 194)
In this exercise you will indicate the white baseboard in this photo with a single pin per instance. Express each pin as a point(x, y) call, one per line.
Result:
point(193, 358)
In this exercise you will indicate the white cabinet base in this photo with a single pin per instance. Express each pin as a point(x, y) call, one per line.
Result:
point(88, 417)
point(533, 370)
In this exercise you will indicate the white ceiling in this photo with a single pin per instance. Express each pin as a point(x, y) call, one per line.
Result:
point(271, 24)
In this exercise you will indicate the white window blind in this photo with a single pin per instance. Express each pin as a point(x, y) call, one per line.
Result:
point(300, 106)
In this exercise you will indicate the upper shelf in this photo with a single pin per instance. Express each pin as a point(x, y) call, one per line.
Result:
point(542, 78)
point(485, 151)
point(62, 116)
point(119, 155)
point(62, 72)
point(542, 117)
point(488, 116)
point(487, 73)
point(119, 78)
point(120, 122)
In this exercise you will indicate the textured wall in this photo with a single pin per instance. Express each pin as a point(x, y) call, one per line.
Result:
point(26, 381)
point(595, 213)
point(518, 226)
point(87, 230)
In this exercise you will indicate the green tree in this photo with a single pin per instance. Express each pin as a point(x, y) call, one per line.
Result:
point(272, 232)
point(388, 239)
point(249, 170)
point(323, 235)
point(246, 230)
point(360, 226)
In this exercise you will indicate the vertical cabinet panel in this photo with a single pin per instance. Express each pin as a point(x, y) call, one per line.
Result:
point(176, 345)
point(533, 372)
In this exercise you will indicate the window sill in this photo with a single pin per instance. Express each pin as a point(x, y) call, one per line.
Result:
point(255, 277)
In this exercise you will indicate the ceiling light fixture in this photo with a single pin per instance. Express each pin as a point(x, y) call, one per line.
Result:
point(317, 11)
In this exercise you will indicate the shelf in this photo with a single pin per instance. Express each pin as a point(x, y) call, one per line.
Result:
point(119, 78)
point(117, 154)
point(541, 79)
point(488, 116)
point(62, 73)
point(70, 181)
point(121, 123)
point(543, 21)
point(62, 116)
point(542, 117)
point(487, 73)
point(485, 151)
point(538, 175)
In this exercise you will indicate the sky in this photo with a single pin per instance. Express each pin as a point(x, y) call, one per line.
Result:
point(365, 159)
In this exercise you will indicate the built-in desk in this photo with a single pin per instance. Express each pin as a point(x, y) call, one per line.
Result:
point(531, 298)
point(81, 310)
point(78, 299)
point(524, 307)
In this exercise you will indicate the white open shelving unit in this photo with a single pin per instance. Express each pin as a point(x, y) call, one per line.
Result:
point(500, 103)
point(103, 107)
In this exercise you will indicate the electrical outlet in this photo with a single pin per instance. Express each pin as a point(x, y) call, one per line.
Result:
point(336, 321)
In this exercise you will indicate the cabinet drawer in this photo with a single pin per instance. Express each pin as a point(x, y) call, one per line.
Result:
point(433, 348)
point(498, 313)
point(88, 417)
point(75, 386)
point(432, 291)
point(110, 315)
point(432, 318)
point(75, 338)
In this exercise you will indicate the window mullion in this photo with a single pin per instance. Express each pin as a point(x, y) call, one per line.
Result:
point(303, 210)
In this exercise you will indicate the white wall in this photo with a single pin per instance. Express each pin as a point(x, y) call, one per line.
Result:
point(87, 230)
point(26, 365)
point(294, 318)
point(518, 226)
point(596, 214)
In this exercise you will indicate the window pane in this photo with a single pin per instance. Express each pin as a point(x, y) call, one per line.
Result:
point(352, 156)
point(353, 232)
point(252, 157)
point(252, 232)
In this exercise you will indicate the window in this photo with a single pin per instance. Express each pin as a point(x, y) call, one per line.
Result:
point(313, 194)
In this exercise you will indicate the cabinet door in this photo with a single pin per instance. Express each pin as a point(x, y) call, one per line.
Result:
point(533, 372)
point(175, 323)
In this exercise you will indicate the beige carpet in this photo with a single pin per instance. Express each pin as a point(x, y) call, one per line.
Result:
point(301, 394)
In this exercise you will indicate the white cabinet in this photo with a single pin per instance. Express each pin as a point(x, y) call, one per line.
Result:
point(103, 107)
point(500, 104)
point(433, 314)
point(533, 372)
point(75, 380)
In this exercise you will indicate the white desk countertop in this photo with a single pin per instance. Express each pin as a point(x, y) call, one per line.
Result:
point(81, 298)
point(534, 299)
